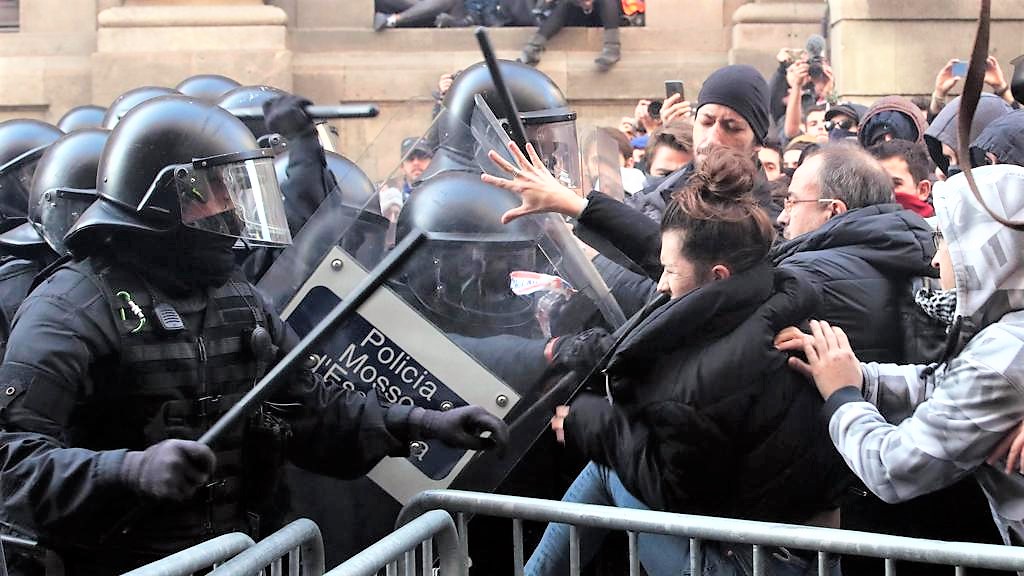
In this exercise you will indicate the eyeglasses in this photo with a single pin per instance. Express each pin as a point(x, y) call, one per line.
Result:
point(841, 124)
point(937, 238)
point(788, 203)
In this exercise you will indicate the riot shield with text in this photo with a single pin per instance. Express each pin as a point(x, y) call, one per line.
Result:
point(471, 319)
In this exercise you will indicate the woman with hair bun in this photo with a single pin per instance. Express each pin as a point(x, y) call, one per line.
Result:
point(695, 411)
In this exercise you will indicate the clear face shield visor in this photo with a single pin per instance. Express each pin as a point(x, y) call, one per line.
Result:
point(59, 209)
point(553, 135)
point(16, 182)
point(234, 195)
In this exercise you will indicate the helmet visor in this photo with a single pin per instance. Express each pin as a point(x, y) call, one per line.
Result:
point(235, 195)
point(554, 137)
point(15, 183)
point(59, 209)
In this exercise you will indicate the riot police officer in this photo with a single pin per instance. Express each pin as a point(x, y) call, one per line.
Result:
point(130, 99)
point(82, 118)
point(206, 87)
point(119, 360)
point(62, 188)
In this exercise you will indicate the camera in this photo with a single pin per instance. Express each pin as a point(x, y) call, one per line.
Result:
point(654, 108)
point(815, 69)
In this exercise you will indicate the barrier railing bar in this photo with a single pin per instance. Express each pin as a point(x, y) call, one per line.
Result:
point(302, 533)
point(823, 564)
point(293, 562)
point(197, 558)
point(574, 551)
point(696, 556)
point(428, 557)
point(8, 539)
point(385, 552)
point(829, 540)
point(518, 553)
point(758, 560)
point(392, 569)
point(462, 522)
point(634, 557)
point(890, 567)
point(960, 571)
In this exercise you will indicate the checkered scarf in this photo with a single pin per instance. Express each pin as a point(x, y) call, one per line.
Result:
point(939, 304)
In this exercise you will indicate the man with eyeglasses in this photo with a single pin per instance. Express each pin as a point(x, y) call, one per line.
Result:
point(845, 231)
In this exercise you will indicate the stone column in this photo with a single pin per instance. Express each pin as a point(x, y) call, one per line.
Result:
point(882, 48)
point(161, 42)
point(762, 27)
point(44, 65)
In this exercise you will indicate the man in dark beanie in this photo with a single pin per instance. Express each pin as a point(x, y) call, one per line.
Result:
point(732, 112)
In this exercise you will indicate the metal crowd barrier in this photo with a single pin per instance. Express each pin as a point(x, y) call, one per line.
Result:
point(762, 535)
point(299, 544)
point(397, 551)
point(200, 557)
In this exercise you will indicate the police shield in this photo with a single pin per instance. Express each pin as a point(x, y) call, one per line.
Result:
point(472, 318)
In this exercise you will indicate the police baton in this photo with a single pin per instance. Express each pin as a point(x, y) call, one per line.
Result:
point(347, 307)
point(279, 373)
point(317, 112)
point(515, 123)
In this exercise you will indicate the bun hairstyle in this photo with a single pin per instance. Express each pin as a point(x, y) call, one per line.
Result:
point(718, 215)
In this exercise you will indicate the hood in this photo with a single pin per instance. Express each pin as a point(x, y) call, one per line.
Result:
point(943, 129)
point(1004, 138)
point(896, 104)
point(891, 239)
point(986, 255)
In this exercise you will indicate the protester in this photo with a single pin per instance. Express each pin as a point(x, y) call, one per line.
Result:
point(669, 148)
point(1001, 142)
point(842, 122)
point(943, 138)
point(412, 13)
point(732, 112)
point(603, 13)
point(793, 156)
point(907, 430)
point(891, 118)
point(681, 378)
point(908, 165)
point(770, 158)
point(945, 81)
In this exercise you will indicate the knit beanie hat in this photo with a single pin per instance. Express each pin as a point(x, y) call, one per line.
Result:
point(743, 89)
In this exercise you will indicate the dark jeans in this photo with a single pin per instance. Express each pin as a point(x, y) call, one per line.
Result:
point(606, 13)
point(412, 13)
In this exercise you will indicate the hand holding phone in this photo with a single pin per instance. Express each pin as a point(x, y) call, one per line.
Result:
point(959, 68)
point(673, 87)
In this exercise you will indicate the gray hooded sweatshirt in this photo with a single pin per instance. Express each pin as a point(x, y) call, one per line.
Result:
point(913, 430)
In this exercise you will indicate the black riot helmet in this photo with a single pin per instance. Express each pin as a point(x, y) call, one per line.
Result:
point(355, 205)
point(178, 161)
point(82, 118)
point(207, 87)
point(63, 187)
point(251, 97)
point(130, 99)
point(22, 143)
point(463, 274)
point(534, 93)
point(1017, 79)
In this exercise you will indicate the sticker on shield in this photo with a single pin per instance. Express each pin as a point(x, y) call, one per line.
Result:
point(390, 348)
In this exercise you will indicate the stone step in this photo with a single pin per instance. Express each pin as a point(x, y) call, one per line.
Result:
point(390, 77)
point(406, 40)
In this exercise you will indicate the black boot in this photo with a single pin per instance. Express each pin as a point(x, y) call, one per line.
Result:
point(611, 52)
point(532, 50)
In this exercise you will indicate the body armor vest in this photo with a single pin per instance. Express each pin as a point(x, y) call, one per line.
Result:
point(183, 363)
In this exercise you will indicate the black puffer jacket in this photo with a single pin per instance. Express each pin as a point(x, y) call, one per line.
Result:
point(862, 263)
point(708, 418)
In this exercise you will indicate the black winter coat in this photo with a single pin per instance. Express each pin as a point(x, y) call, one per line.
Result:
point(862, 263)
point(708, 418)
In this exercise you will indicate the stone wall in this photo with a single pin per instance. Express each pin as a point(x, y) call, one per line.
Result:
point(70, 52)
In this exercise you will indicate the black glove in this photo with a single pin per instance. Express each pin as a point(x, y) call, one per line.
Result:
point(582, 351)
point(286, 115)
point(461, 427)
point(169, 470)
